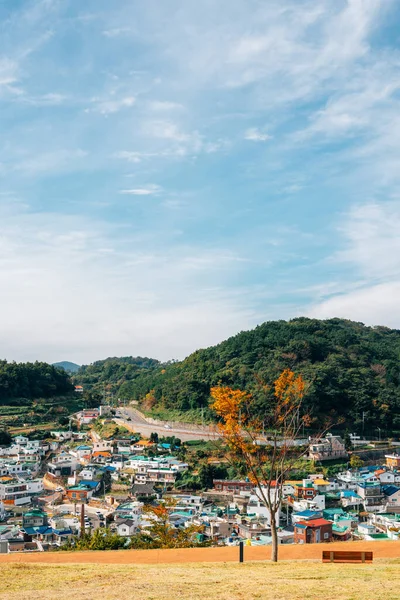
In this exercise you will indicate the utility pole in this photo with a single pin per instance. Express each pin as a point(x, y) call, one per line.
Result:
point(82, 520)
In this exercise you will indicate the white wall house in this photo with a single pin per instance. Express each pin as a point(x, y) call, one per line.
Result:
point(14, 493)
point(258, 508)
point(103, 446)
point(126, 528)
point(34, 486)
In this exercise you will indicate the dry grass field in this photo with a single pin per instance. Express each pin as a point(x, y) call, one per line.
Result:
point(306, 580)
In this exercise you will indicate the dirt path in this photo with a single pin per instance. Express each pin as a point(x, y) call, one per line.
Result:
point(191, 555)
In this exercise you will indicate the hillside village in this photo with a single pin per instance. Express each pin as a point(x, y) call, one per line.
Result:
point(78, 481)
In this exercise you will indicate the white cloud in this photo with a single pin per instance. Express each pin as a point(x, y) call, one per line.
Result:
point(289, 50)
point(117, 32)
point(167, 139)
point(372, 305)
point(161, 302)
point(165, 106)
point(50, 99)
point(149, 190)
point(372, 251)
point(255, 135)
point(169, 131)
point(59, 160)
point(366, 103)
point(179, 143)
point(9, 74)
point(8, 71)
point(372, 234)
point(132, 157)
point(112, 105)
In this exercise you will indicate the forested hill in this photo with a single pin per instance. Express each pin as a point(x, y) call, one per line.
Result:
point(31, 380)
point(351, 369)
point(114, 374)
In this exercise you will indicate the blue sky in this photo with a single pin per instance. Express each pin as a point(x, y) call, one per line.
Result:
point(172, 172)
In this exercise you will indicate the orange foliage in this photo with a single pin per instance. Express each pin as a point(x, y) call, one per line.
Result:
point(289, 392)
point(230, 405)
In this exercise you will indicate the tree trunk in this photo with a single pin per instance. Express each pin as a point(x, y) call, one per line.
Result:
point(274, 534)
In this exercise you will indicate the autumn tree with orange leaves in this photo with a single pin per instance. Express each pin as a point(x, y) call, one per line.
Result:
point(267, 461)
point(163, 534)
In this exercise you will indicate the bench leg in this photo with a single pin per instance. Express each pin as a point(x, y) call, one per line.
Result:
point(363, 557)
point(331, 556)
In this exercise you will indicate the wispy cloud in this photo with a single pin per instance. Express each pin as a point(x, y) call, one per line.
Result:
point(49, 99)
point(372, 253)
point(371, 233)
point(61, 160)
point(111, 105)
point(48, 262)
point(132, 157)
point(158, 105)
point(149, 190)
point(168, 130)
point(117, 32)
point(255, 135)
point(8, 77)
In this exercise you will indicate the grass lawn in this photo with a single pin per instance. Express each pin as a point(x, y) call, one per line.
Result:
point(223, 581)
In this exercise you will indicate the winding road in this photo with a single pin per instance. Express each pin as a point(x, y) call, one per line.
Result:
point(132, 419)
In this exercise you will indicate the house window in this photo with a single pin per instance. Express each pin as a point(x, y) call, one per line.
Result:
point(326, 536)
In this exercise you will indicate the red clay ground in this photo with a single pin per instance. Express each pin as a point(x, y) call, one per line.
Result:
point(190, 555)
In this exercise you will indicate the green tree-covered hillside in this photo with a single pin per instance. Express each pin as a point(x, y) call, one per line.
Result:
point(113, 374)
point(31, 380)
point(352, 369)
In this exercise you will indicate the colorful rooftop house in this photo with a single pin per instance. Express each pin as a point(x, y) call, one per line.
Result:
point(34, 518)
point(80, 493)
point(306, 515)
point(313, 532)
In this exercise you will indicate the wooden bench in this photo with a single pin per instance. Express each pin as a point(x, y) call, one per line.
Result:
point(344, 556)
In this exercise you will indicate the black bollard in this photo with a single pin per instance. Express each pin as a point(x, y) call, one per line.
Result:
point(241, 552)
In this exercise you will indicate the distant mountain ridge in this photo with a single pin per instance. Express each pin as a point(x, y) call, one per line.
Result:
point(68, 366)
